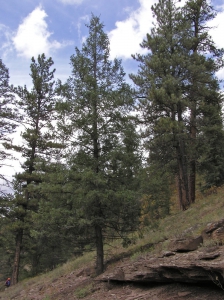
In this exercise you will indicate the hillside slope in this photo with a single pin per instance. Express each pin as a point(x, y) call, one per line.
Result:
point(128, 270)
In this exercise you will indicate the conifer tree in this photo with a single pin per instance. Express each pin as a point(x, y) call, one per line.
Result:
point(56, 241)
point(104, 158)
point(8, 117)
point(202, 90)
point(176, 78)
point(38, 106)
point(160, 78)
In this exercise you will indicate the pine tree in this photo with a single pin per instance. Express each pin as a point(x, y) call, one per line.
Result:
point(211, 143)
point(8, 117)
point(56, 240)
point(39, 113)
point(104, 158)
point(176, 78)
point(160, 79)
point(202, 92)
point(7, 236)
point(156, 194)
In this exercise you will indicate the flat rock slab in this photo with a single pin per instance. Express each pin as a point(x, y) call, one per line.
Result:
point(203, 265)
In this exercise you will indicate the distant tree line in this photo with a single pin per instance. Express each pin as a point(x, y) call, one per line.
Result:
point(99, 153)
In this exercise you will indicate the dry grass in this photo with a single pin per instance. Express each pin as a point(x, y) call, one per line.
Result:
point(178, 224)
point(48, 278)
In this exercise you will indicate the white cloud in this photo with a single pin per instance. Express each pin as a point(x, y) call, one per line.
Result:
point(216, 32)
point(6, 40)
point(128, 34)
point(218, 28)
point(32, 36)
point(71, 2)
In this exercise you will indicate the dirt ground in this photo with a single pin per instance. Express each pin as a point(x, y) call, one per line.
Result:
point(112, 291)
point(74, 286)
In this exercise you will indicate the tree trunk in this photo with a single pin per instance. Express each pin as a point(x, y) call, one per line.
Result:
point(182, 164)
point(193, 97)
point(15, 272)
point(192, 180)
point(183, 201)
point(99, 250)
point(182, 177)
point(192, 164)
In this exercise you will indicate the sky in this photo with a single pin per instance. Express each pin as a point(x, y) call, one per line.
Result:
point(32, 27)
point(29, 28)
point(55, 27)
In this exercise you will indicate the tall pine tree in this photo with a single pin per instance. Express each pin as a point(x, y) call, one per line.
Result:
point(38, 106)
point(160, 79)
point(8, 119)
point(175, 80)
point(203, 94)
point(104, 155)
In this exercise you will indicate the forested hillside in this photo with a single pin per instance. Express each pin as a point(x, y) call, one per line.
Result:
point(103, 158)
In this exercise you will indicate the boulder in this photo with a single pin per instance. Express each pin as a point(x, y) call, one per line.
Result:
point(214, 232)
point(185, 244)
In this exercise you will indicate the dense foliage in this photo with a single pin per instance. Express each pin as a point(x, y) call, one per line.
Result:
point(101, 157)
point(9, 119)
point(179, 95)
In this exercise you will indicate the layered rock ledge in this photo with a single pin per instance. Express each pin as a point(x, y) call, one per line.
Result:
point(203, 265)
point(186, 261)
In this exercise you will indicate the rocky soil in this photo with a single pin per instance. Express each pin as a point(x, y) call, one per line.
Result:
point(186, 270)
point(74, 287)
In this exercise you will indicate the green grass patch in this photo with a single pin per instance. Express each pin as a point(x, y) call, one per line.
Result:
point(83, 292)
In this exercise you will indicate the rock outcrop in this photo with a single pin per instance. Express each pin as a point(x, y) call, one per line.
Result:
point(203, 265)
point(187, 260)
point(185, 244)
point(214, 232)
point(189, 270)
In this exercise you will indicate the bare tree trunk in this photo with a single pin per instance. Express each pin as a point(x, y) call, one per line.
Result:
point(192, 175)
point(193, 98)
point(192, 181)
point(178, 183)
point(99, 250)
point(183, 186)
point(183, 200)
point(182, 177)
point(15, 272)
